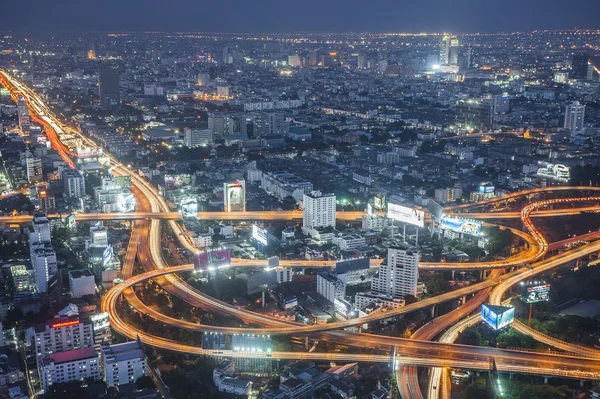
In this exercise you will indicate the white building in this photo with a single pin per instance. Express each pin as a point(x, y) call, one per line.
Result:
point(98, 236)
point(376, 223)
point(574, 115)
point(60, 335)
point(363, 299)
point(451, 194)
point(41, 227)
point(348, 241)
point(34, 170)
point(75, 365)
point(73, 183)
point(197, 137)
point(234, 196)
point(285, 184)
point(319, 211)
point(122, 363)
point(235, 386)
point(203, 240)
point(81, 283)
point(43, 261)
point(284, 274)
point(331, 286)
point(399, 274)
point(294, 60)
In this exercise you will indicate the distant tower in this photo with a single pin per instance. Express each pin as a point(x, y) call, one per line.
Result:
point(108, 87)
point(579, 66)
point(227, 56)
point(92, 52)
point(574, 115)
point(449, 51)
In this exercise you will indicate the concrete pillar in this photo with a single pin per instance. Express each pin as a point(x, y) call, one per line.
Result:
point(485, 274)
point(263, 299)
point(464, 299)
point(546, 380)
point(581, 383)
point(306, 343)
point(433, 311)
point(453, 274)
point(510, 376)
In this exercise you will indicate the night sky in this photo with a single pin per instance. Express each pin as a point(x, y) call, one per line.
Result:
point(298, 16)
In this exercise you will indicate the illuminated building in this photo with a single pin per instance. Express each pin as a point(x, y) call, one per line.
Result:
point(234, 196)
point(20, 278)
point(450, 194)
point(108, 87)
point(203, 79)
point(270, 124)
point(227, 55)
point(561, 77)
point(34, 170)
point(60, 335)
point(331, 286)
point(23, 114)
point(122, 363)
point(574, 115)
point(73, 183)
point(75, 365)
point(197, 137)
point(473, 115)
point(399, 274)
point(42, 255)
point(319, 210)
point(294, 60)
point(449, 51)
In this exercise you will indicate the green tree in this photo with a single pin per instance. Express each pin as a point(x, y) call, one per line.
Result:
point(145, 382)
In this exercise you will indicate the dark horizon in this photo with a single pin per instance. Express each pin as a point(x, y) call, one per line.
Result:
point(269, 16)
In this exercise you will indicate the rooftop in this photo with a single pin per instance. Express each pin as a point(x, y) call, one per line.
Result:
point(74, 355)
point(80, 273)
point(122, 352)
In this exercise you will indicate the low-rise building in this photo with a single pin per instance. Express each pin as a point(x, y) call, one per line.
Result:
point(122, 363)
point(82, 283)
point(75, 365)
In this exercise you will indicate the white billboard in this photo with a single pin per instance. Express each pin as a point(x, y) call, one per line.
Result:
point(406, 215)
point(259, 234)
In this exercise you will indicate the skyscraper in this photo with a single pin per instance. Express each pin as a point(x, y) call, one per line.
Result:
point(108, 87)
point(34, 170)
point(449, 51)
point(73, 183)
point(574, 115)
point(579, 66)
point(23, 114)
point(398, 276)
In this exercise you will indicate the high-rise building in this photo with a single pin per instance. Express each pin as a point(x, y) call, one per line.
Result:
point(98, 236)
point(41, 227)
point(450, 194)
point(45, 266)
point(474, 115)
point(60, 335)
point(122, 363)
point(108, 87)
point(294, 60)
point(574, 116)
point(398, 276)
point(270, 124)
point(227, 55)
point(203, 79)
point(319, 210)
point(361, 62)
point(76, 365)
point(226, 123)
point(23, 114)
point(561, 77)
point(197, 137)
point(579, 66)
point(34, 169)
point(500, 103)
point(449, 51)
point(73, 183)
point(234, 196)
point(331, 286)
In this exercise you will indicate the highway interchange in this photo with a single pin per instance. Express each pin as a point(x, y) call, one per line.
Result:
point(145, 246)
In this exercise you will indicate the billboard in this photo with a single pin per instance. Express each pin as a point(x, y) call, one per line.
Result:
point(259, 234)
point(100, 321)
point(532, 293)
point(212, 259)
point(485, 188)
point(107, 255)
point(189, 207)
point(406, 215)
point(234, 196)
point(435, 209)
point(497, 317)
point(125, 202)
point(379, 201)
point(173, 182)
point(460, 225)
point(352, 265)
point(370, 211)
point(555, 171)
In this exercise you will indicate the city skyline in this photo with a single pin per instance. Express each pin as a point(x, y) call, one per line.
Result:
point(309, 16)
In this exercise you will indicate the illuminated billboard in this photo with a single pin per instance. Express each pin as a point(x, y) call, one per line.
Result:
point(406, 215)
point(173, 182)
point(555, 171)
point(497, 317)
point(189, 207)
point(234, 196)
point(212, 259)
point(532, 293)
point(259, 234)
point(125, 202)
point(379, 201)
point(460, 225)
point(100, 321)
point(107, 255)
point(485, 188)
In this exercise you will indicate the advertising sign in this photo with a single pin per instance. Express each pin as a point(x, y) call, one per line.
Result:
point(107, 255)
point(497, 317)
point(379, 202)
point(189, 207)
point(486, 189)
point(532, 293)
point(406, 215)
point(435, 209)
point(212, 259)
point(173, 182)
point(100, 321)
point(259, 234)
point(555, 171)
point(460, 225)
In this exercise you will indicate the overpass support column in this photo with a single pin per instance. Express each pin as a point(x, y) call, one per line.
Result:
point(546, 380)
point(581, 383)
point(485, 274)
point(453, 274)
point(464, 299)
point(306, 343)
point(433, 311)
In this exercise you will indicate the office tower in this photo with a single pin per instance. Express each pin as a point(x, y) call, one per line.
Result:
point(34, 169)
point(579, 66)
point(319, 210)
point(108, 87)
point(23, 114)
point(331, 286)
point(73, 183)
point(122, 363)
point(574, 115)
point(294, 60)
point(43, 261)
point(465, 59)
point(76, 365)
point(474, 115)
point(270, 124)
point(361, 62)
point(226, 123)
point(234, 196)
point(227, 55)
point(449, 51)
point(398, 276)
point(590, 71)
point(98, 236)
point(197, 137)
